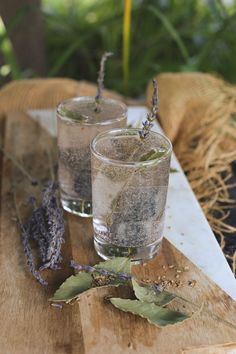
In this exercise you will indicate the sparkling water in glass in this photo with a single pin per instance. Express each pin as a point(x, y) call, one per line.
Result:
point(79, 121)
point(129, 183)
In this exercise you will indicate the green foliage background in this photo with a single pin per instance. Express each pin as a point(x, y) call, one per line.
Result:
point(167, 35)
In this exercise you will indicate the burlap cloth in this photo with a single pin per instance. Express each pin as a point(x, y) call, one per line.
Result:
point(197, 112)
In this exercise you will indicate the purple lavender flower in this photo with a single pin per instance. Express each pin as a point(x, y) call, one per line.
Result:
point(56, 227)
point(25, 236)
point(157, 288)
point(46, 227)
point(147, 125)
point(57, 305)
point(39, 229)
point(104, 272)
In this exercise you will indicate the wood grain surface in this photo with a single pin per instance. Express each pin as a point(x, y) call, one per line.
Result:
point(29, 325)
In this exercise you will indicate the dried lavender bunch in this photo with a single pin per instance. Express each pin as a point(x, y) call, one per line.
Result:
point(90, 269)
point(46, 227)
point(100, 81)
point(39, 229)
point(56, 228)
point(25, 238)
point(147, 125)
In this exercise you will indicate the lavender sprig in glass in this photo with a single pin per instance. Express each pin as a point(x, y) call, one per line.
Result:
point(147, 125)
point(101, 76)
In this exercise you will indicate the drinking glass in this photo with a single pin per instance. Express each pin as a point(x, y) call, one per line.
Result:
point(129, 184)
point(79, 121)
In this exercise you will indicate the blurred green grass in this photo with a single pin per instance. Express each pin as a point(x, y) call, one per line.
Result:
point(166, 35)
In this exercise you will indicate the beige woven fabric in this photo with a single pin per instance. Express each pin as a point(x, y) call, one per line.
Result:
point(184, 94)
point(44, 93)
point(197, 112)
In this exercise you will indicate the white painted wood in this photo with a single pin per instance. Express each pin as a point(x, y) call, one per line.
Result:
point(186, 226)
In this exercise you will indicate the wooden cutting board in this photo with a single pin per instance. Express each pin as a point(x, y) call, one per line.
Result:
point(29, 325)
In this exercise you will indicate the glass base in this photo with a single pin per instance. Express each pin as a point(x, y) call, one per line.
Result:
point(79, 207)
point(136, 254)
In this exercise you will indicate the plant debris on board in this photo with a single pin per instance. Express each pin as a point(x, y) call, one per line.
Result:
point(149, 302)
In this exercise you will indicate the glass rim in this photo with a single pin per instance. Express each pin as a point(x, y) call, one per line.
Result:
point(126, 132)
point(122, 116)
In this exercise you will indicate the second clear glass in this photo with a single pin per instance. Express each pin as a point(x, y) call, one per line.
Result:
point(129, 186)
point(79, 121)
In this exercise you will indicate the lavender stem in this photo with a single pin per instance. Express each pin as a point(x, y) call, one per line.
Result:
point(147, 125)
point(90, 269)
point(100, 81)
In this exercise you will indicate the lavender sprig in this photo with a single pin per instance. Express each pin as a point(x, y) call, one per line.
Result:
point(56, 227)
point(39, 229)
point(100, 81)
point(105, 272)
point(147, 125)
point(46, 227)
point(29, 255)
point(25, 238)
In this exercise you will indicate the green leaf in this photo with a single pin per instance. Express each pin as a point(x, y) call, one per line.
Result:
point(73, 286)
point(152, 155)
point(117, 265)
point(77, 284)
point(65, 112)
point(155, 314)
point(147, 293)
point(233, 117)
point(173, 170)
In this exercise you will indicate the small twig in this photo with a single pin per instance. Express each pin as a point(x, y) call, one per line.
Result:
point(33, 181)
point(57, 305)
point(100, 81)
point(105, 272)
point(147, 125)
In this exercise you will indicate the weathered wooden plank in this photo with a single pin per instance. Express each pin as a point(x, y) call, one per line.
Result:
point(228, 348)
point(127, 333)
point(29, 325)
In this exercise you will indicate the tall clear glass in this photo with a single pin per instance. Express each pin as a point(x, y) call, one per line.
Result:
point(79, 121)
point(129, 183)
